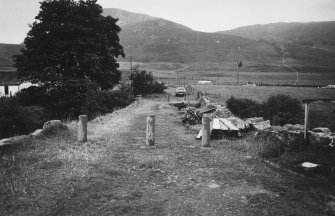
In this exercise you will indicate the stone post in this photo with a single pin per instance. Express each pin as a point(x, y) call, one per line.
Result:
point(150, 139)
point(206, 132)
point(82, 128)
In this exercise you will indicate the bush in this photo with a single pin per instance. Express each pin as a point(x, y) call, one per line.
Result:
point(100, 102)
point(280, 109)
point(283, 109)
point(16, 119)
point(67, 99)
point(71, 98)
point(143, 83)
point(245, 108)
point(32, 96)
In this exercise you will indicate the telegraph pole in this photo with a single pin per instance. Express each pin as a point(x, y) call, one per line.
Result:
point(131, 65)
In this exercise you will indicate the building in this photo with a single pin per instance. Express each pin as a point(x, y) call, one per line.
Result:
point(9, 83)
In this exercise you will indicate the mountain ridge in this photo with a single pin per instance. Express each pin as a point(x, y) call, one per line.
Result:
point(260, 47)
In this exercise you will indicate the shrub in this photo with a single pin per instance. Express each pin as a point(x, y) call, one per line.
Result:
point(34, 95)
point(245, 108)
point(283, 109)
point(143, 83)
point(100, 102)
point(16, 119)
point(280, 109)
point(67, 99)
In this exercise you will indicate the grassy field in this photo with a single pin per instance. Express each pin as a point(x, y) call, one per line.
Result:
point(220, 74)
point(113, 174)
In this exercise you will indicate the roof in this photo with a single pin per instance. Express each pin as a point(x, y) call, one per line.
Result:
point(9, 78)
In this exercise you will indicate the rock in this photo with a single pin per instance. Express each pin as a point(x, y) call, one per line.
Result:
point(323, 130)
point(5, 142)
point(275, 140)
point(53, 127)
point(213, 185)
point(51, 123)
point(24, 139)
point(37, 132)
point(262, 125)
point(309, 165)
point(324, 140)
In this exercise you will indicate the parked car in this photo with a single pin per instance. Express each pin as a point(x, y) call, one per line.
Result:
point(180, 91)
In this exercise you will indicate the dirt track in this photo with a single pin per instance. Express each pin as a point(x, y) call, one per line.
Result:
point(113, 174)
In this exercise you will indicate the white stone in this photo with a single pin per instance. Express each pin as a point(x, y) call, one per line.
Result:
point(309, 165)
point(5, 142)
point(213, 186)
point(37, 132)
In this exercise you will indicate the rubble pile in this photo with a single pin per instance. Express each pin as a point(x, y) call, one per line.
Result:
point(225, 124)
point(291, 137)
point(192, 116)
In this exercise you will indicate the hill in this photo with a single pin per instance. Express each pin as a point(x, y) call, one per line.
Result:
point(309, 46)
point(317, 34)
point(159, 40)
point(126, 17)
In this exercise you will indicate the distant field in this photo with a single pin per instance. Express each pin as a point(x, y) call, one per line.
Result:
point(261, 93)
point(226, 73)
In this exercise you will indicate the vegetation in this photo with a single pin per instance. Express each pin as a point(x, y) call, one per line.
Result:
point(71, 40)
point(245, 108)
point(143, 83)
point(112, 175)
point(16, 119)
point(283, 109)
point(280, 109)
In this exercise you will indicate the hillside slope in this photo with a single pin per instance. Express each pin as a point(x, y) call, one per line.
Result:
point(310, 45)
point(319, 34)
point(161, 40)
point(126, 17)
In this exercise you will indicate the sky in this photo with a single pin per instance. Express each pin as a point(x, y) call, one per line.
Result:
point(200, 15)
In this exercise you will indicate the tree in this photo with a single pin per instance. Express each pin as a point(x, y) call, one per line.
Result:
point(143, 83)
point(71, 40)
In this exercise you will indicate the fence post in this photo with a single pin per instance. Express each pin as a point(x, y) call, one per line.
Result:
point(206, 132)
point(150, 139)
point(82, 128)
point(306, 123)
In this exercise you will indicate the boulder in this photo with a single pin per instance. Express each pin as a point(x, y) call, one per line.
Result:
point(24, 139)
point(276, 140)
point(323, 130)
point(37, 133)
point(52, 123)
point(5, 142)
point(53, 127)
point(324, 140)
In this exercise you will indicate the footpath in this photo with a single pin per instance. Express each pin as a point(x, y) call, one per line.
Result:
point(115, 174)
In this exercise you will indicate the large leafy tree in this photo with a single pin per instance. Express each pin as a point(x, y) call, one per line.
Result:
point(71, 40)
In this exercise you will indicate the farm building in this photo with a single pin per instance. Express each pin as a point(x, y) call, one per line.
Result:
point(204, 82)
point(9, 83)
